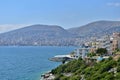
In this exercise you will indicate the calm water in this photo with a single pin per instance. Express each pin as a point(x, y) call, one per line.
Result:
point(27, 63)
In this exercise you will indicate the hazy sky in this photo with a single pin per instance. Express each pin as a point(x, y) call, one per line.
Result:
point(66, 13)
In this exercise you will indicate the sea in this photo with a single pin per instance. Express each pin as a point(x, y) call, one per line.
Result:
point(28, 62)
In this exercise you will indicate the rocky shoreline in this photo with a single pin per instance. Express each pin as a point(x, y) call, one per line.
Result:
point(47, 76)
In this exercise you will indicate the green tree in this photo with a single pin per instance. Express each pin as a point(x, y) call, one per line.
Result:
point(117, 76)
point(64, 78)
point(109, 77)
point(91, 54)
point(76, 77)
point(101, 51)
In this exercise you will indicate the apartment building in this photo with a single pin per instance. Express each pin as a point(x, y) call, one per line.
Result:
point(116, 41)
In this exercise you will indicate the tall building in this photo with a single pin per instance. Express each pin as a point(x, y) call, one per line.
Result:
point(116, 41)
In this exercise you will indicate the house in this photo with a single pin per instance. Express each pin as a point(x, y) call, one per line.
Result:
point(82, 52)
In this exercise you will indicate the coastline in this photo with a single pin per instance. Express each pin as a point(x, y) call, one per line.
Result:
point(47, 76)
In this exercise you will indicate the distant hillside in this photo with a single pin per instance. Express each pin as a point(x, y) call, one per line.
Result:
point(53, 35)
point(35, 35)
point(97, 28)
point(41, 31)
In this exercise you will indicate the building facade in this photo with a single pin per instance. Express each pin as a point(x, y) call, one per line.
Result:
point(116, 41)
point(82, 52)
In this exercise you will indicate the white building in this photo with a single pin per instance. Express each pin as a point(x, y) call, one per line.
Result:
point(82, 52)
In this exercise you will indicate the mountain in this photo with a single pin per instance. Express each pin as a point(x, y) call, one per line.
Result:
point(35, 35)
point(97, 28)
point(53, 35)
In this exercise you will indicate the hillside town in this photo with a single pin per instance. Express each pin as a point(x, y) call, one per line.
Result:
point(107, 42)
point(110, 43)
point(107, 46)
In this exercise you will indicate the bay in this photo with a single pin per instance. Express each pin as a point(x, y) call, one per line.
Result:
point(28, 62)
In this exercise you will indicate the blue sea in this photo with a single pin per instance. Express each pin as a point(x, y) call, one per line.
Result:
point(28, 62)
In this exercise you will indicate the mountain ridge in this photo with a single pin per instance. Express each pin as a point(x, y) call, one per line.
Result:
point(97, 26)
point(56, 35)
point(36, 35)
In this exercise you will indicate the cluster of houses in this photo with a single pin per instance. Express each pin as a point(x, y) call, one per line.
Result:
point(111, 43)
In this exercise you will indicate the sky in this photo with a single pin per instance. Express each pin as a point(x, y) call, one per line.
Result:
point(66, 13)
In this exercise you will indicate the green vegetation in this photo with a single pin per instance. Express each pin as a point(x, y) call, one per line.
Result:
point(117, 51)
point(108, 69)
point(91, 54)
point(101, 51)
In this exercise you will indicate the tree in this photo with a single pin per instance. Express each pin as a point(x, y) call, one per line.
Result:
point(109, 77)
point(117, 76)
point(117, 49)
point(75, 77)
point(91, 54)
point(101, 51)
